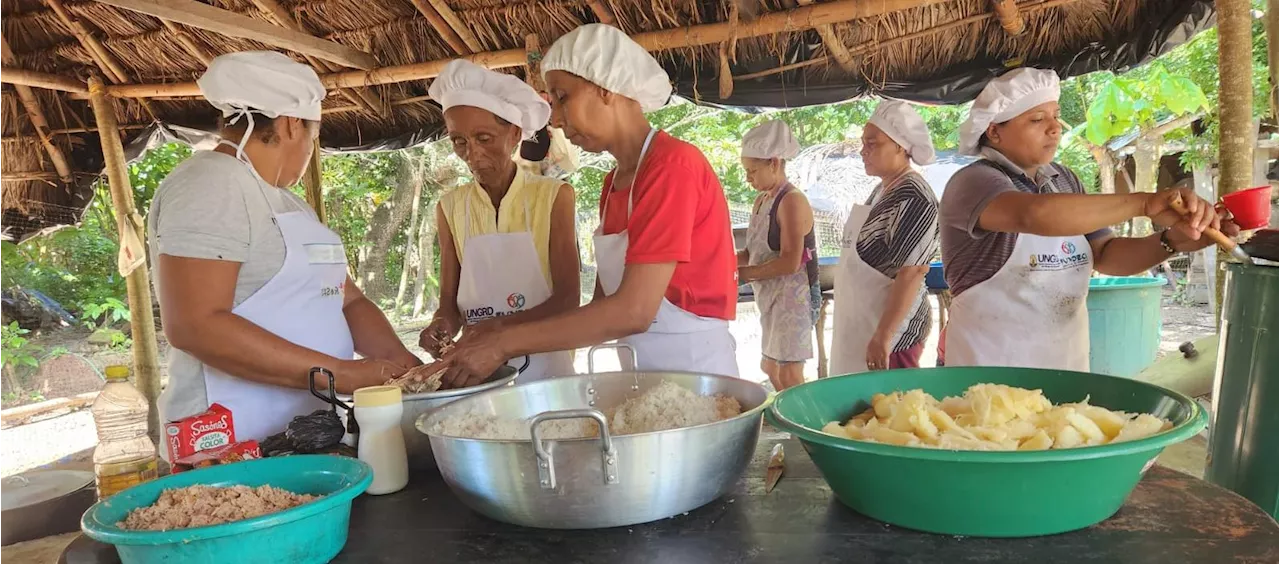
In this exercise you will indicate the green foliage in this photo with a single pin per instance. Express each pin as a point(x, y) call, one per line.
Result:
point(15, 349)
point(110, 311)
point(1140, 101)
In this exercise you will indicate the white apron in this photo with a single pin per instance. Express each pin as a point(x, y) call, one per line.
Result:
point(1031, 313)
point(861, 294)
point(501, 275)
point(677, 340)
point(301, 304)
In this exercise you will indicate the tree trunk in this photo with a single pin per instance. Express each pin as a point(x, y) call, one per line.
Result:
point(1236, 138)
point(1273, 37)
point(409, 243)
point(1146, 160)
point(1106, 167)
point(426, 261)
point(386, 222)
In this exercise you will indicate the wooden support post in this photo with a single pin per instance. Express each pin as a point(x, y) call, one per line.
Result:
point(1236, 137)
point(146, 362)
point(533, 64)
point(311, 180)
point(1010, 19)
point(726, 73)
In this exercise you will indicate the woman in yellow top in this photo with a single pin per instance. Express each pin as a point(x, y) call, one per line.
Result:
point(508, 252)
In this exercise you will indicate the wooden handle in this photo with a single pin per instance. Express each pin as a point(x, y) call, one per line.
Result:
point(1218, 237)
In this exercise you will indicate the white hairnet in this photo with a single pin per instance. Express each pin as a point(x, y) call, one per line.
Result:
point(900, 121)
point(770, 140)
point(265, 82)
point(1005, 98)
point(464, 83)
point(607, 57)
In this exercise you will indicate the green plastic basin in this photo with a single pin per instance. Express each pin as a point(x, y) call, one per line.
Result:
point(1124, 324)
point(986, 494)
point(311, 532)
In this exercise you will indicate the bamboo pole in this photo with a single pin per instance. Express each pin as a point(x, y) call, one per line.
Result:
point(311, 180)
point(1007, 12)
point(38, 122)
point(603, 12)
point(799, 19)
point(834, 45)
point(188, 43)
point(97, 51)
point(442, 27)
point(13, 75)
point(146, 363)
point(458, 26)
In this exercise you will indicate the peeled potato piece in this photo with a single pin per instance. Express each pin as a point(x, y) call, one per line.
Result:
point(992, 417)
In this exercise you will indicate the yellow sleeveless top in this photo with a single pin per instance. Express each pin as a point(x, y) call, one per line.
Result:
point(525, 207)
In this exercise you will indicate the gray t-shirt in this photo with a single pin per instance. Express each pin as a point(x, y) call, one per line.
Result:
point(970, 254)
point(212, 207)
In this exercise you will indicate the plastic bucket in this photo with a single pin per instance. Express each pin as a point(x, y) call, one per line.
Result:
point(1124, 324)
point(1250, 209)
point(313, 532)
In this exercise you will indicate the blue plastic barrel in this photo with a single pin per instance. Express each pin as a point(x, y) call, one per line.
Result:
point(1124, 324)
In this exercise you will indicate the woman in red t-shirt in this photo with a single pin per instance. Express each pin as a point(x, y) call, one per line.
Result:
point(666, 268)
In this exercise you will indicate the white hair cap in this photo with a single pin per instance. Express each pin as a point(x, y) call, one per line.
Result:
point(900, 121)
point(1005, 98)
point(607, 57)
point(265, 82)
point(464, 83)
point(770, 140)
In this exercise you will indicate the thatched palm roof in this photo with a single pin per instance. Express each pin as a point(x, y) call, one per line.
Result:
point(778, 53)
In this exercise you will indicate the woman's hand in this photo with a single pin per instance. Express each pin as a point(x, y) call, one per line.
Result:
point(440, 332)
point(355, 374)
point(474, 357)
point(1200, 212)
point(878, 350)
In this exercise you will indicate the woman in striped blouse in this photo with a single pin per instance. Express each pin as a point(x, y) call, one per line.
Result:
point(882, 317)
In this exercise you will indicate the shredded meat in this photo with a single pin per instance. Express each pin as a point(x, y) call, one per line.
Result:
point(201, 506)
point(420, 379)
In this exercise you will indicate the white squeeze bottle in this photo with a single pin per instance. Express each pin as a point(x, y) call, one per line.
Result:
point(378, 411)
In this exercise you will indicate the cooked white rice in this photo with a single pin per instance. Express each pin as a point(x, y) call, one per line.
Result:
point(665, 406)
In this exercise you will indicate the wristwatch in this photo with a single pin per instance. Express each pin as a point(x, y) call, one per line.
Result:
point(1164, 242)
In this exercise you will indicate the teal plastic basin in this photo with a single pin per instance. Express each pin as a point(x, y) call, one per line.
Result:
point(1124, 324)
point(312, 532)
point(985, 494)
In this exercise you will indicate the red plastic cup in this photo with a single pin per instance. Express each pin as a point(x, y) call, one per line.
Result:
point(1250, 209)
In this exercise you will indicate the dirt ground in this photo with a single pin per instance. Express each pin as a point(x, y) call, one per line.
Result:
point(42, 442)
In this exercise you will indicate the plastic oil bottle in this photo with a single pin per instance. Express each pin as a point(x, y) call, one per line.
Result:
point(125, 455)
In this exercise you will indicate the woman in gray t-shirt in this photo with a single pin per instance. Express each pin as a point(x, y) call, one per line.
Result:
point(254, 291)
point(1020, 238)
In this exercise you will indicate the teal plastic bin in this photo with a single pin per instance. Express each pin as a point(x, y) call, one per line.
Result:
point(1124, 324)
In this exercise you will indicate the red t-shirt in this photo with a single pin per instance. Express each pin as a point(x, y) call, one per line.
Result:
point(680, 215)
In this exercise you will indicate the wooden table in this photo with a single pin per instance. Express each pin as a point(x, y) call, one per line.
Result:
point(1170, 518)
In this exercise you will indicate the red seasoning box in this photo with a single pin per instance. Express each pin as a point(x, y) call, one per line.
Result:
point(211, 429)
point(225, 454)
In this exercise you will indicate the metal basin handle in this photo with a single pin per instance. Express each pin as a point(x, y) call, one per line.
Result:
point(591, 355)
point(546, 465)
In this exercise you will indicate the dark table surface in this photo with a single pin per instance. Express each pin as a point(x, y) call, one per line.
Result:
point(1170, 518)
